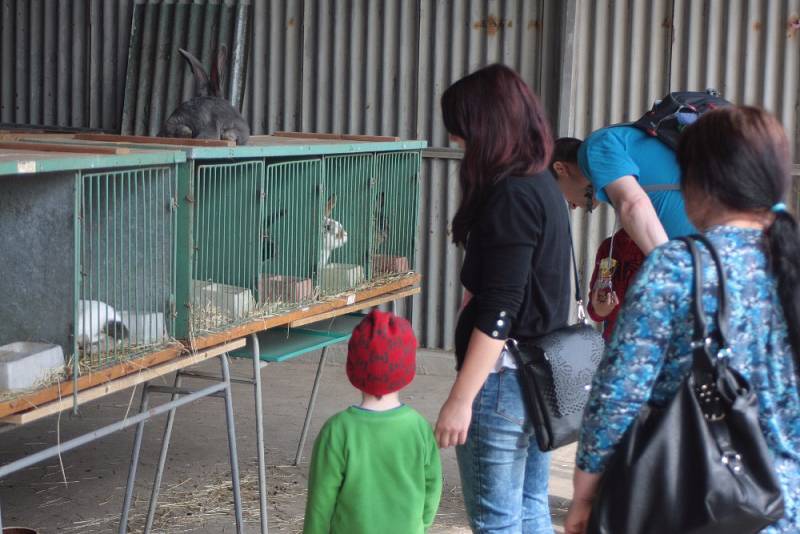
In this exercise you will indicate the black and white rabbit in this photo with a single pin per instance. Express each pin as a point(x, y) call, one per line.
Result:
point(96, 318)
point(208, 115)
point(333, 233)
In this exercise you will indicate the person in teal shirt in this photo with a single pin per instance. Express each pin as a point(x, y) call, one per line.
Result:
point(634, 172)
point(376, 466)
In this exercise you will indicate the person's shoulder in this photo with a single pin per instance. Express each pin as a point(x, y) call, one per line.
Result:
point(531, 188)
point(670, 259)
point(417, 419)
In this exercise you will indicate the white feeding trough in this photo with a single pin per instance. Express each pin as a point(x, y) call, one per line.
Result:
point(234, 301)
point(337, 277)
point(144, 328)
point(25, 365)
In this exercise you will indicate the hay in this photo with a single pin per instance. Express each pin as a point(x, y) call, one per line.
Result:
point(187, 506)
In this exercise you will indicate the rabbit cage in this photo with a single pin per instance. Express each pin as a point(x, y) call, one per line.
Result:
point(281, 223)
point(88, 262)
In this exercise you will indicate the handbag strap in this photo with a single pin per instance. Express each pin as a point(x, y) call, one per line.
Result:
point(701, 341)
point(578, 299)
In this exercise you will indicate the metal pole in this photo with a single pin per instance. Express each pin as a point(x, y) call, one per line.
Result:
point(262, 467)
point(137, 447)
point(310, 409)
point(1, 521)
point(237, 497)
point(238, 58)
point(162, 459)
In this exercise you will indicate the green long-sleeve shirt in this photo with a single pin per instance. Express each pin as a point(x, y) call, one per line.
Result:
point(374, 472)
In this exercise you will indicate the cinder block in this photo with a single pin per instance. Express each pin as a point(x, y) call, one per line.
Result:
point(25, 364)
point(383, 264)
point(289, 289)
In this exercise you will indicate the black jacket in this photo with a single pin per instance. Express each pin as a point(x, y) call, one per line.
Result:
point(517, 263)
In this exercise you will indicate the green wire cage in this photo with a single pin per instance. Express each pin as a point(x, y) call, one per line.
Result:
point(88, 257)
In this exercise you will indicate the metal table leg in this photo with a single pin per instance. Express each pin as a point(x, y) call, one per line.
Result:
point(137, 448)
point(310, 409)
point(262, 465)
point(162, 459)
point(237, 497)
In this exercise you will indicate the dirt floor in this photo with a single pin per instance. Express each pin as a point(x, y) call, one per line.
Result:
point(196, 493)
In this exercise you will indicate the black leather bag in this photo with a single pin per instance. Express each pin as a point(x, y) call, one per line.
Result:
point(555, 372)
point(700, 465)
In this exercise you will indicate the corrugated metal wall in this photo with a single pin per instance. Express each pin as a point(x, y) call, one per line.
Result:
point(63, 62)
point(363, 66)
point(158, 77)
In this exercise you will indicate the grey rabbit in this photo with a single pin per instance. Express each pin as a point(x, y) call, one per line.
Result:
point(208, 115)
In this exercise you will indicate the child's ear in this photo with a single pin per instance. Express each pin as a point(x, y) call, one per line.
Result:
point(560, 169)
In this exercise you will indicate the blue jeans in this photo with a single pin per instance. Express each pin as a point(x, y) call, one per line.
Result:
point(503, 473)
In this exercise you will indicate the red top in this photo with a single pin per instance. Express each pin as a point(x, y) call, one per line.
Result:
point(629, 259)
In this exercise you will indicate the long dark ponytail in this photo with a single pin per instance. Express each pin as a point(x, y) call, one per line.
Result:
point(739, 156)
point(505, 130)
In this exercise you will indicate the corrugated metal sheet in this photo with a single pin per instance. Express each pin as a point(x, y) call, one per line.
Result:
point(158, 77)
point(749, 50)
point(63, 62)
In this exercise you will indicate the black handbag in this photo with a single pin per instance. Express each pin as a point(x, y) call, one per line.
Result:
point(555, 372)
point(700, 465)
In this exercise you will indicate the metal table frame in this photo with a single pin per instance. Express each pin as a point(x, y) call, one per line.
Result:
point(179, 397)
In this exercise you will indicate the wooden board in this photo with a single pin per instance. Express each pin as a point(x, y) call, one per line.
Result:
point(147, 140)
point(64, 389)
point(331, 305)
point(396, 295)
point(338, 137)
point(144, 375)
point(74, 149)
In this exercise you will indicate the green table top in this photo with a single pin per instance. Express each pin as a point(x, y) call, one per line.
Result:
point(14, 162)
point(281, 344)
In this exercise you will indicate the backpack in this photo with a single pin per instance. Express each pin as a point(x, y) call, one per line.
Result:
point(670, 115)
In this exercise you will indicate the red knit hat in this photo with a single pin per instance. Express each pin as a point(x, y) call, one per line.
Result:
point(381, 355)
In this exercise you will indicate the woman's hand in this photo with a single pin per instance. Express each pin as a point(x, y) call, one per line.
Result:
point(604, 304)
point(578, 516)
point(584, 487)
point(453, 423)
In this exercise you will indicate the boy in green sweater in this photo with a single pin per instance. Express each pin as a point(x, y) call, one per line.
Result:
point(376, 466)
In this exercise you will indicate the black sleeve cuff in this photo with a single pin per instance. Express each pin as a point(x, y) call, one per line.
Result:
point(495, 324)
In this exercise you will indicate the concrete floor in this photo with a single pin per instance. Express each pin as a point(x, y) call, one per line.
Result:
point(194, 496)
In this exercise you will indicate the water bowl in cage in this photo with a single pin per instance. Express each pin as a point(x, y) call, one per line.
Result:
point(25, 365)
point(288, 289)
point(340, 277)
point(144, 328)
point(383, 264)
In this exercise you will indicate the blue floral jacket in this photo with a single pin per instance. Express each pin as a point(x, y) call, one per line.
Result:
point(649, 355)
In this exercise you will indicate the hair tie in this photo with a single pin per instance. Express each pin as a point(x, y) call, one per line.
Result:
point(777, 208)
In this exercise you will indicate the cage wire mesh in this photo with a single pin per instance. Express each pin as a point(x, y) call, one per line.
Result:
point(345, 246)
point(227, 244)
point(395, 208)
point(290, 233)
point(127, 223)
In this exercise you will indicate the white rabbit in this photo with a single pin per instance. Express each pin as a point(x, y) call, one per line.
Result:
point(333, 233)
point(96, 318)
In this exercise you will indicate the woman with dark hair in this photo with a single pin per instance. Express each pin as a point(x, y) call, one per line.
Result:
point(735, 174)
point(513, 224)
